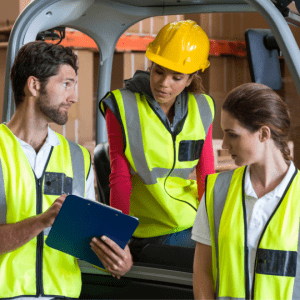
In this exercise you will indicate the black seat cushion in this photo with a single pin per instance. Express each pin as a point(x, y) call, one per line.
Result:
point(167, 257)
point(102, 168)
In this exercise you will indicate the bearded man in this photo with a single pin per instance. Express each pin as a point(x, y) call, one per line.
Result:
point(38, 167)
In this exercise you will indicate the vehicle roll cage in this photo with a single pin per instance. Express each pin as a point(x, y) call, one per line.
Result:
point(106, 20)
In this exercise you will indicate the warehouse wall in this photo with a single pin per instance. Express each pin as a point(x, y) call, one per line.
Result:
point(224, 73)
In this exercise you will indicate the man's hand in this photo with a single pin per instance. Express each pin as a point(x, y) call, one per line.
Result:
point(116, 260)
point(49, 216)
point(15, 235)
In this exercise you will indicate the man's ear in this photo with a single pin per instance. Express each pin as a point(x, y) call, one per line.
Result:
point(33, 86)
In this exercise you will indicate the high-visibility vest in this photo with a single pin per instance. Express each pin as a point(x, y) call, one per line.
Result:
point(162, 196)
point(36, 269)
point(278, 246)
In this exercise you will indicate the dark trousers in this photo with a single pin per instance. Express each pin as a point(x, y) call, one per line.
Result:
point(181, 238)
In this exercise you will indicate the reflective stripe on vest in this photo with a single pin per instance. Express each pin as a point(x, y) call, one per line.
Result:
point(36, 269)
point(79, 177)
point(276, 258)
point(221, 187)
point(162, 196)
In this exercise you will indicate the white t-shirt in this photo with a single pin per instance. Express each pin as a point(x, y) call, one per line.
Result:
point(38, 161)
point(258, 212)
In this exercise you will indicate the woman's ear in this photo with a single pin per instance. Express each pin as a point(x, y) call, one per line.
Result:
point(265, 133)
point(191, 77)
point(33, 86)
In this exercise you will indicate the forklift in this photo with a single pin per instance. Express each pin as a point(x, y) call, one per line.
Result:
point(163, 272)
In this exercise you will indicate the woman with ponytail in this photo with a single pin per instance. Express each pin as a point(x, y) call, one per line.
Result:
point(247, 227)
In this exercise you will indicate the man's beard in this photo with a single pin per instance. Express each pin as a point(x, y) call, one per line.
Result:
point(52, 111)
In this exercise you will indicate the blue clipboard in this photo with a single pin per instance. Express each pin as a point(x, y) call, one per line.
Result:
point(79, 220)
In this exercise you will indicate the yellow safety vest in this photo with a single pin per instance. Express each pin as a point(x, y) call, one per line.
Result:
point(276, 256)
point(162, 196)
point(36, 269)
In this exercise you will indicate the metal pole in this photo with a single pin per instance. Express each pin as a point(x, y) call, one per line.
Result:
point(104, 81)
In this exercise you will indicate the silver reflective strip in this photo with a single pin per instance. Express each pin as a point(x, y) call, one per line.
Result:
point(162, 172)
point(134, 133)
point(221, 188)
point(137, 147)
point(296, 290)
point(3, 206)
point(78, 186)
point(204, 110)
point(47, 230)
point(182, 173)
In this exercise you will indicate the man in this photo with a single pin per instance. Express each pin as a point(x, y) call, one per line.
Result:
point(37, 168)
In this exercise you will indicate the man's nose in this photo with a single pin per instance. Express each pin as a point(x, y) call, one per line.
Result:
point(73, 96)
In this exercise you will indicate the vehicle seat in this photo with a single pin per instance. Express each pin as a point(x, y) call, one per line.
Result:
point(167, 257)
point(102, 168)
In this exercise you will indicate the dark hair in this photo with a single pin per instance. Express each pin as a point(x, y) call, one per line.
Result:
point(255, 105)
point(41, 60)
point(196, 85)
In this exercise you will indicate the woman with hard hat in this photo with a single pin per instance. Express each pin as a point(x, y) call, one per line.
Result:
point(247, 225)
point(160, 130)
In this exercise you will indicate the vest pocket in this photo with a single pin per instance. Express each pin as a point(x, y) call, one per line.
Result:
point(190, 150)
point(57, 184)
point(276, 262)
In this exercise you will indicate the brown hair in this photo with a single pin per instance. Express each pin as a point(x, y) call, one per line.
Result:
point(196, 85)
point(41, 60)
point(255, 105)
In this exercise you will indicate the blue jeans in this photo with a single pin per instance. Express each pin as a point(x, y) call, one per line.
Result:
point(181, 238)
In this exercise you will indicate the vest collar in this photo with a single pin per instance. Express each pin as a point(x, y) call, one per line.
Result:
point(140, 83)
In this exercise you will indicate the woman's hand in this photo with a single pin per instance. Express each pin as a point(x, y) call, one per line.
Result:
point(116, 260)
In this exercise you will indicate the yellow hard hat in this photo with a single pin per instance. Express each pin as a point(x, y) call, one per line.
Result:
point(180, 46)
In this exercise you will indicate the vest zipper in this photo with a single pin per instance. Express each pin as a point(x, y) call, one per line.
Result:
point(40, 237)
point(40, 241)
point(246, 254)
point(174, 147)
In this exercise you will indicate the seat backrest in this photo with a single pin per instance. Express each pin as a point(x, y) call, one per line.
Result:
point(102, 168)
point(167, 257)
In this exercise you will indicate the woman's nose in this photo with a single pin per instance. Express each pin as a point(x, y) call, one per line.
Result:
point(225, 144)
point(165, 81)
